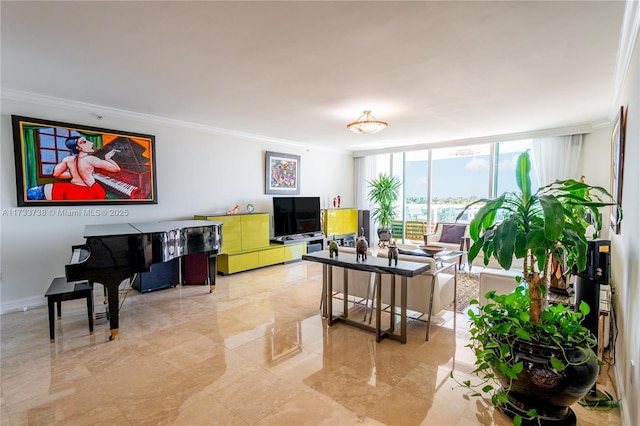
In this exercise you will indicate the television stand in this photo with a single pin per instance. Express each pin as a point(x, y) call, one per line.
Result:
point(315, 241)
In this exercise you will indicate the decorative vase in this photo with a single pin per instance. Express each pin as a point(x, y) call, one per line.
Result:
point(549, 391)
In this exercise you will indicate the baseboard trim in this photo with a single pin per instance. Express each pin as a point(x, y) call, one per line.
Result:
point(22, 305)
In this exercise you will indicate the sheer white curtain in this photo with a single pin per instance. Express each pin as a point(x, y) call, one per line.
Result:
point(556, 158)
point(365, 169)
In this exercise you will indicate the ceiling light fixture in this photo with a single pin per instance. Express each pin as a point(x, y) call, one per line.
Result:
point(366, 124)
point(464, 152)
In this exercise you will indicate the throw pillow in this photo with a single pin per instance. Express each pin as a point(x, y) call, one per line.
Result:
point(451, 233)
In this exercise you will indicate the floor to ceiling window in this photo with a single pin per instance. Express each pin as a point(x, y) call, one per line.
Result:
point(460, 176)
point(508, 153)
point(439, 183)
point(416, 195)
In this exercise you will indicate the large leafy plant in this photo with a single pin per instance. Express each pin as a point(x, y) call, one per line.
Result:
point(535, 227)
point(384, 192)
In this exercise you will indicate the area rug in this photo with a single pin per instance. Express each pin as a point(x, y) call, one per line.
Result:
point(467, 291)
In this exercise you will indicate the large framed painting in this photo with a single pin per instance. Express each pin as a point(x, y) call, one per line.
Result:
point(617, 167)
point(282, 174)
point(69, 164)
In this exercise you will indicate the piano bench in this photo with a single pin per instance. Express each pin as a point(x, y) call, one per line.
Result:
point(60, 290)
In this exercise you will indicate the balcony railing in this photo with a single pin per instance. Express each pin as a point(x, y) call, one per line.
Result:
point(414, 230)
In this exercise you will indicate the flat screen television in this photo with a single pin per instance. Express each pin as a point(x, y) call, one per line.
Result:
point(296, 215)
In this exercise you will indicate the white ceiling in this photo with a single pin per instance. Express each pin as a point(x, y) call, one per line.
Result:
point(300, 71)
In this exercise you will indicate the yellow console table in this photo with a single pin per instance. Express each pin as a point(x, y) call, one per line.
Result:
point(246, 245)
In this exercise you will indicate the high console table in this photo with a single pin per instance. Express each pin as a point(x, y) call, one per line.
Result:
point(378, 266)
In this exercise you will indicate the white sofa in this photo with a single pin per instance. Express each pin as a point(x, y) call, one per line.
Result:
point(493, 277)
point(419, 287)
point(503, 282)
point(361, 286)
point(360, 282)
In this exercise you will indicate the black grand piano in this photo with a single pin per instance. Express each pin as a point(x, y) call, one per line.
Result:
point(113, 253)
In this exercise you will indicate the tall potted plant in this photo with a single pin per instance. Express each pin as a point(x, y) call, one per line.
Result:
point(535, 360)
point(384, 192)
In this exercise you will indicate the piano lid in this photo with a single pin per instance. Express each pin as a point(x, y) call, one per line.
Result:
point(114, 229)
point(109, 230)
point(148, 227)
point(130, 155)
point(168, 225)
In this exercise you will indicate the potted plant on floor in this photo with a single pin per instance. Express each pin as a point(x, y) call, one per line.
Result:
point(384, 192)
point(535, 360)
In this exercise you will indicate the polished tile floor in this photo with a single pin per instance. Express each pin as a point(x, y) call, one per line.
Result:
point(256, 351)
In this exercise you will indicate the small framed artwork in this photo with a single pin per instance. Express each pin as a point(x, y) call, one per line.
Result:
point(617, 168)
point(282, 173)
point(68, 164)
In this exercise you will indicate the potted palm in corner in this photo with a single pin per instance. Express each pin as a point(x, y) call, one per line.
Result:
point(535, 360)
point(384, 192)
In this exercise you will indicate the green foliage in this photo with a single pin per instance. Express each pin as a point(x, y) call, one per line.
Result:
point(503, 321)
point(384, 192)
point(549, 223)
point(536, 228)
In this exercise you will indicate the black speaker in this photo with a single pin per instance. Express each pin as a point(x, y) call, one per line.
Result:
point(364, 222)
point(597, 271)
point(598, 261)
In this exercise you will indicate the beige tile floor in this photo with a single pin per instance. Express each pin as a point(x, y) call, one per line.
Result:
point(256, 351)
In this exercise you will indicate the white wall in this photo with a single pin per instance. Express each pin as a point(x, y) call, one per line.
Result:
point(625, 252)
point(595, 165)
point(197, 172)
point(625, 255)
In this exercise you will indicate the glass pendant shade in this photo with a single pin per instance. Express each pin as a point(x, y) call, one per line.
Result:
point(366, 124)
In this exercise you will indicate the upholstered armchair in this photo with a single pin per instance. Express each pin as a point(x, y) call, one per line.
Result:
point(451, 236)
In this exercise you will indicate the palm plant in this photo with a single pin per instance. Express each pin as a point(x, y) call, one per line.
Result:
point(384, 192)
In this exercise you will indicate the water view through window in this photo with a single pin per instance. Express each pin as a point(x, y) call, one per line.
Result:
point(439, 183)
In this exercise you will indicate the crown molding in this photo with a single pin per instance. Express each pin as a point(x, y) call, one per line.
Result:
point(559, 131)
point(100, 111)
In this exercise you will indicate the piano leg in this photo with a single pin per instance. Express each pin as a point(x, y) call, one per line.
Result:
point(213, 271)
point(113, 301)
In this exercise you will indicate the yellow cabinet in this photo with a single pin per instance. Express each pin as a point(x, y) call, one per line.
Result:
point(294, 251)
point(272, 256)
point(246, 245)
point(242, 232)
point(229, 264)
point(340, 222)
point(255, 231)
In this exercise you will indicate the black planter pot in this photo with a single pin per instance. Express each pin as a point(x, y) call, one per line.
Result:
point(549, 391)
point(384, 234)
